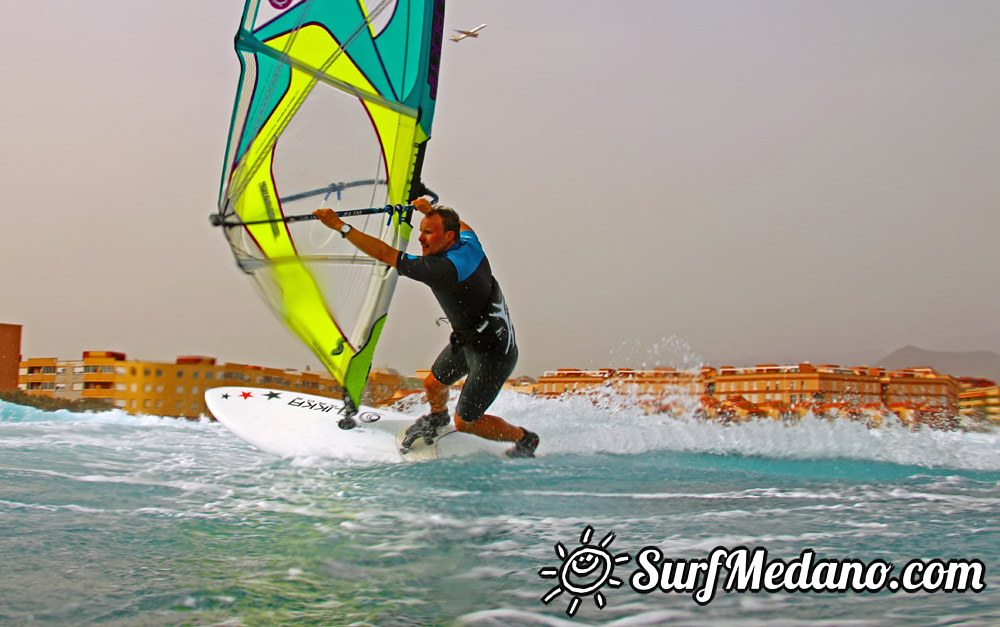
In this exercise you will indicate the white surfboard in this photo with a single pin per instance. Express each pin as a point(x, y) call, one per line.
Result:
point(293, 424)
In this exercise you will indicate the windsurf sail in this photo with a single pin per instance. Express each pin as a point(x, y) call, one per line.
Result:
point(333, 109)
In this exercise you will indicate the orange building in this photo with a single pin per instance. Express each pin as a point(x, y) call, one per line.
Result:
point(38, 375)
point(979, 399)
point(656, 390)
point(661, 389)
point(917, 395)
point(923, 387)
point(786, 385)
point(800, 384)
point(166, 389)
point(383, 383)
point(572, 381)
point(660, 381)
point(10, 355)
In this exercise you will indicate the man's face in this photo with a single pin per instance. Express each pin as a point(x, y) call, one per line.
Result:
point(433, 238)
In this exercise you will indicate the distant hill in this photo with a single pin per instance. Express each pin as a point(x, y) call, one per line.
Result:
point(983, 364)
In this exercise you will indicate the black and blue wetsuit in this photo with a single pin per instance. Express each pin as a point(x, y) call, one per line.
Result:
point(482, 341)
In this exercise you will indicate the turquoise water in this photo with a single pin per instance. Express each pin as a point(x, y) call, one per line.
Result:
point(120, 520)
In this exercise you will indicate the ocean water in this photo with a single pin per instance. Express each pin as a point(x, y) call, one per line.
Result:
point(119, 520)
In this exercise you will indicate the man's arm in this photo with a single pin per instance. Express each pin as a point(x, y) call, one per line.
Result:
point(371, 246)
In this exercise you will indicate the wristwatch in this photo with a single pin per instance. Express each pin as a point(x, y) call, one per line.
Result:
point(344, 230)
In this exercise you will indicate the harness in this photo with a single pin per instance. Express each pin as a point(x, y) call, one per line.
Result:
point(474, 335)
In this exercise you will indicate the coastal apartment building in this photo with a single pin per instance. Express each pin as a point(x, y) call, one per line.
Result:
point(924, 387)
point(174, 389)
point(555, 383)
point(10, 355)
point(980, 399)
point(658, 389)
point(798, 384)
point(770, 389)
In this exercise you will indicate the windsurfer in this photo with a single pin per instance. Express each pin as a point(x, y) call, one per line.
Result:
point(482, 344)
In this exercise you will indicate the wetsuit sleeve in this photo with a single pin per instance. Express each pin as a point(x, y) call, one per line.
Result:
point(431, 270)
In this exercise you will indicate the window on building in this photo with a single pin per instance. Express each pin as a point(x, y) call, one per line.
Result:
point(180, 374)
point(180, 389)
point(147, 388)
point(159, 372)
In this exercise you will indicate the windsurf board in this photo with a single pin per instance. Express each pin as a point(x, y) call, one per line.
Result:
point(294, 424)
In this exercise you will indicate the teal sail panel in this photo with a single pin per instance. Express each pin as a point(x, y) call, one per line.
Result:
point(333, 109)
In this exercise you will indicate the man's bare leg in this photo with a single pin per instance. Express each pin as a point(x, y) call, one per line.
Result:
point(487, 426)
point(437, 394)
point(490, 428)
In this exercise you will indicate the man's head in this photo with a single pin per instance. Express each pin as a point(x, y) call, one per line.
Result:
point(439, 230)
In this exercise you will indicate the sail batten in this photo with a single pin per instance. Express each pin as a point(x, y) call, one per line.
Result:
point(334, 105)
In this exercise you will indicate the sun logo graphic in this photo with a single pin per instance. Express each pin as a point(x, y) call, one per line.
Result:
point(584, 571)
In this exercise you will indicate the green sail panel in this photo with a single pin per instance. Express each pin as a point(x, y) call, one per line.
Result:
point(333, 109)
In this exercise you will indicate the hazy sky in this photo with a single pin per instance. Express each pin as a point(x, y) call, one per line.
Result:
point(655, 182)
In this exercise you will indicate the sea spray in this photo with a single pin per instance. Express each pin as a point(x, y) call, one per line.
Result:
point(140, 519)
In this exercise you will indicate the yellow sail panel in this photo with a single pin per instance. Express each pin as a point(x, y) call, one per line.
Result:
point(307, 316)
point(397, 135)
point(334, 109)
point(260, 202)
point(315, 47)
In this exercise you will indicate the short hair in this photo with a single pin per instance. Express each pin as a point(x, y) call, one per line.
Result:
point(449, 218)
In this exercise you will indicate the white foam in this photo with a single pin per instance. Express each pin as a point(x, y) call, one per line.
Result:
point(577, 425)
point(572, 425)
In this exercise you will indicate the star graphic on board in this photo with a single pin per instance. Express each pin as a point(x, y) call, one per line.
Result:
point(245, 395)
point(272, 394)
point(225, 396)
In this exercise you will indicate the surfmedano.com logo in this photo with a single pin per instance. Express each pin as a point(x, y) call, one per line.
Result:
point(588, 568)
point(584, 571)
